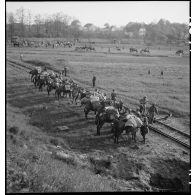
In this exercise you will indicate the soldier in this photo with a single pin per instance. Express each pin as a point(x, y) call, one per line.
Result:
point(21, 57)
point(144, 128)
point(143, 105)
point(93, 81)
point(152, 111)
point(113, 95)
point(104, 96)
point(65, 71)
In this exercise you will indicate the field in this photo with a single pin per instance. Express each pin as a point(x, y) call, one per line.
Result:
point(158, 165)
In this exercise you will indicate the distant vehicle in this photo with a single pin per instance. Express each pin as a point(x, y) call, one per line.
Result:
point(179, 52)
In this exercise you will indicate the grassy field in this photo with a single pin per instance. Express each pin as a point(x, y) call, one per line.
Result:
point(33, 119)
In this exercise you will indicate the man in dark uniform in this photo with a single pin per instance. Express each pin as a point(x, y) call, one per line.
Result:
point(113, 95)
point(152, 111)
point(93, 80)
point(65, 71)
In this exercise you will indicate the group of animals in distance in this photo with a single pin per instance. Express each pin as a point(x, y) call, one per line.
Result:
point(107, 110)
point(16, 42)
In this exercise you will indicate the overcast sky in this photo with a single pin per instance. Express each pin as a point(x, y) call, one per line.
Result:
point(113, 12)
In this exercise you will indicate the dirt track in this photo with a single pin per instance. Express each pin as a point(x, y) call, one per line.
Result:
point(159, 163)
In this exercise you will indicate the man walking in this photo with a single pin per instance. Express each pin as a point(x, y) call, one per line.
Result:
point(93, 81)
point(113, 95)
point(65, 71)
point(143, 102)
point(152, 111)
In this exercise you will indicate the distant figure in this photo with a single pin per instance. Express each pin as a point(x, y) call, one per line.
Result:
point(149, 71)
point(96, 93)
point(113, 95)
point(152, 111)
point(109, 50)
point(161, 73)
point(65, 71)
point(104, 96)
point(144, 128)
point(93, 81)
point(21, 57)
point(45, 68)
point(143, 102)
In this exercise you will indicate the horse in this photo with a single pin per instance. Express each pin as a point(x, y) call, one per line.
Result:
point(107, 115)
point(51, 86)
point(75, 92)
point(131, 124)
point(133, 50)
point(62, 89)
point(118, 126)
point(33, 73)
point(95, 106)
point(118, 105)
point(146, 50)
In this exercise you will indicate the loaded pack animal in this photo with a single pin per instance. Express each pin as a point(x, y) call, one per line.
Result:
point(75, 92)
point(51, 86)
point(33, 73)
point(65, 89)
point(107, 115)
point(118, 126)
point(118, 105)
point(92, 106)
point(40, 81)
point(130, 124)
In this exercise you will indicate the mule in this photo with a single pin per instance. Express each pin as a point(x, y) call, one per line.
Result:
point(106, 116)
point(33, 73)
point(118, 127)
point(92, 106)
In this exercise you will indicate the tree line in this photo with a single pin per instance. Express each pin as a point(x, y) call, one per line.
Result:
point(24, 24)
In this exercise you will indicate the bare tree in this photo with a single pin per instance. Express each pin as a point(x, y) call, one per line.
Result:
point(38, 22)
point(10, 22)
point(20, 13)
point(29, 19)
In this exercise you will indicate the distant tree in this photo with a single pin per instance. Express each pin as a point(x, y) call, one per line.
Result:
point(20, 13)
point(29, 20)
point(38, 21)
point(75, 27)
point(10, 22)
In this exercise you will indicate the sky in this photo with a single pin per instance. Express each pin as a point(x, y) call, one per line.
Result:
point(117, 13)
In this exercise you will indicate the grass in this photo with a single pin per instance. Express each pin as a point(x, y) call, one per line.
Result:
point(31, 168)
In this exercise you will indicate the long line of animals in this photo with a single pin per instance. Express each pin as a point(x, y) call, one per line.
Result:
point(105, 109)
point(70, 44)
